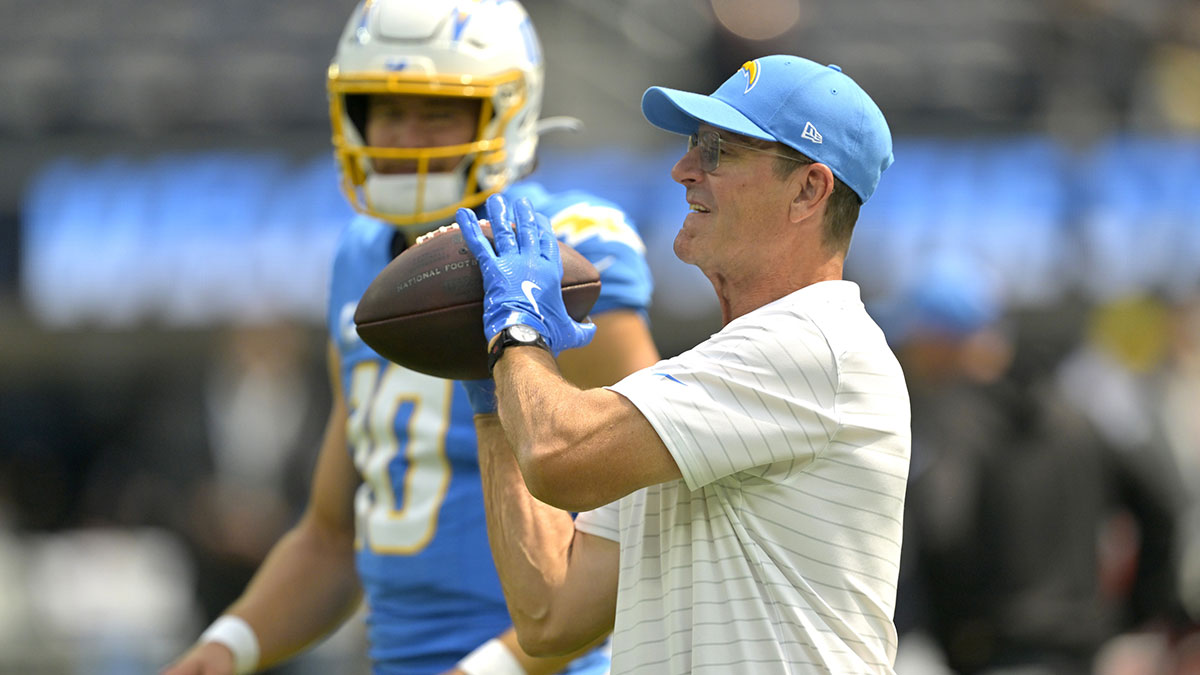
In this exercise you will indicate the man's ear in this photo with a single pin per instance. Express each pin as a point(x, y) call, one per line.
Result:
point(812, 186)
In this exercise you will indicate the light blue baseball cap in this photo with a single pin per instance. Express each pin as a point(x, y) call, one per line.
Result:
point(817, 110)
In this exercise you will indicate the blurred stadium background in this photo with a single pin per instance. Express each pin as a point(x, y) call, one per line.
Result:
point(169, 206)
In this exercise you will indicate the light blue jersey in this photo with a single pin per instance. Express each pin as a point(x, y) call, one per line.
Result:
point(423, 552)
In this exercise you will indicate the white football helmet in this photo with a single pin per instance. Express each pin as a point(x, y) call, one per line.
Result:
point(478, 49)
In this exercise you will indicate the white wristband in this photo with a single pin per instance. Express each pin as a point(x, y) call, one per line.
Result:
point(233, 632)
point(491, 658)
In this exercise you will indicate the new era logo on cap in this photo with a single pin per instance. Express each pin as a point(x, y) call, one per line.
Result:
point(810, 132)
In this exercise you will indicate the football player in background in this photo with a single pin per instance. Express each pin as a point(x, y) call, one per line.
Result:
point(434, 106)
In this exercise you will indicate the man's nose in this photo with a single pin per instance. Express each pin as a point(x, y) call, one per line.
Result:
point(406, 132)
point(687, 169)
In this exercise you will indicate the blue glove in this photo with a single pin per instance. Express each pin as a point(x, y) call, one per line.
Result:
point(522, 278)
point(482, 395)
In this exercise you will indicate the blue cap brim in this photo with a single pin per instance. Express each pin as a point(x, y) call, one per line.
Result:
point(682, 111)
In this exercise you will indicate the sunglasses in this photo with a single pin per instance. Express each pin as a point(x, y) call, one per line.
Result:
point(710, 143)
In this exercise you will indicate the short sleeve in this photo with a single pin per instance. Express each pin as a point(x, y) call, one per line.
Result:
point(601, 522)
point(758, 393)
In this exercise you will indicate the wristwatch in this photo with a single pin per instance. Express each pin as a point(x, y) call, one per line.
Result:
point(518, 335)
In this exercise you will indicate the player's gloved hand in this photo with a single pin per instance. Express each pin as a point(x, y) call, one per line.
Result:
point(522, 277)
point(482, 395)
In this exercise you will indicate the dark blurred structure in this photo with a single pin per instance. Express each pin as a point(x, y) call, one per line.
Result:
point(1031, 539)
point(169, 202)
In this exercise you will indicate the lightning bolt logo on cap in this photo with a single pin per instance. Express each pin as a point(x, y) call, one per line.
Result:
point(750, 70)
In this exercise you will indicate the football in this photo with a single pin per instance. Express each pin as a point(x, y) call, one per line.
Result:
point(424, 311)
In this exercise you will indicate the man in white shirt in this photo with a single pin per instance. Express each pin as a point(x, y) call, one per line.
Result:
point(748, 494)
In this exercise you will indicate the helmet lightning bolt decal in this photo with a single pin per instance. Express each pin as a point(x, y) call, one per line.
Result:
point(460, 19)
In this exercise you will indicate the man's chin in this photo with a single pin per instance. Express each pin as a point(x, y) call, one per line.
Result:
point(681, 247)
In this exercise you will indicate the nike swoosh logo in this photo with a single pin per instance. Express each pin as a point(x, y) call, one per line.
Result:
point(673, 378)
point(527, 288)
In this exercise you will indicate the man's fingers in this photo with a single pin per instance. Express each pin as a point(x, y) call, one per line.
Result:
point(502, 234)
point(549, 243)
point(527, 227)
point(473, 235)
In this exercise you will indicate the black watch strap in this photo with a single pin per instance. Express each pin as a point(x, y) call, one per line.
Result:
point(519, 335)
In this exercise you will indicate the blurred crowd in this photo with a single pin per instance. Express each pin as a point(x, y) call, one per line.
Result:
point(1053, 514)
point(134, 507)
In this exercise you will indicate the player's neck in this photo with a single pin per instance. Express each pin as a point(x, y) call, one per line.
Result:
point(739, 297)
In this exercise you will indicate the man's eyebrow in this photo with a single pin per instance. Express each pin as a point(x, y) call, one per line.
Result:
point(754, 142)
point(750, 141)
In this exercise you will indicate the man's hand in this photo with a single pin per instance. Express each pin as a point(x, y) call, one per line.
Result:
point(206, 658)
point(522, 278)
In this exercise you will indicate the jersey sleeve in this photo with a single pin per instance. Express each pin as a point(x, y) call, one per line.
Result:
point(601, 522)
point(747, 398)
point(603, 234)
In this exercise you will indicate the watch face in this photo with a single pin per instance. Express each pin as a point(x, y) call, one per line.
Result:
point(523, 333)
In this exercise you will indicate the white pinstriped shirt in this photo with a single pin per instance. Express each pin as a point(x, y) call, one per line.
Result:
point(779, 550)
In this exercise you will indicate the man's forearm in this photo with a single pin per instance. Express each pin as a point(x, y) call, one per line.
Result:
point(530, 542)
point(529, 392)
point(549, 424)
point(306, 587)
point(576, 449)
